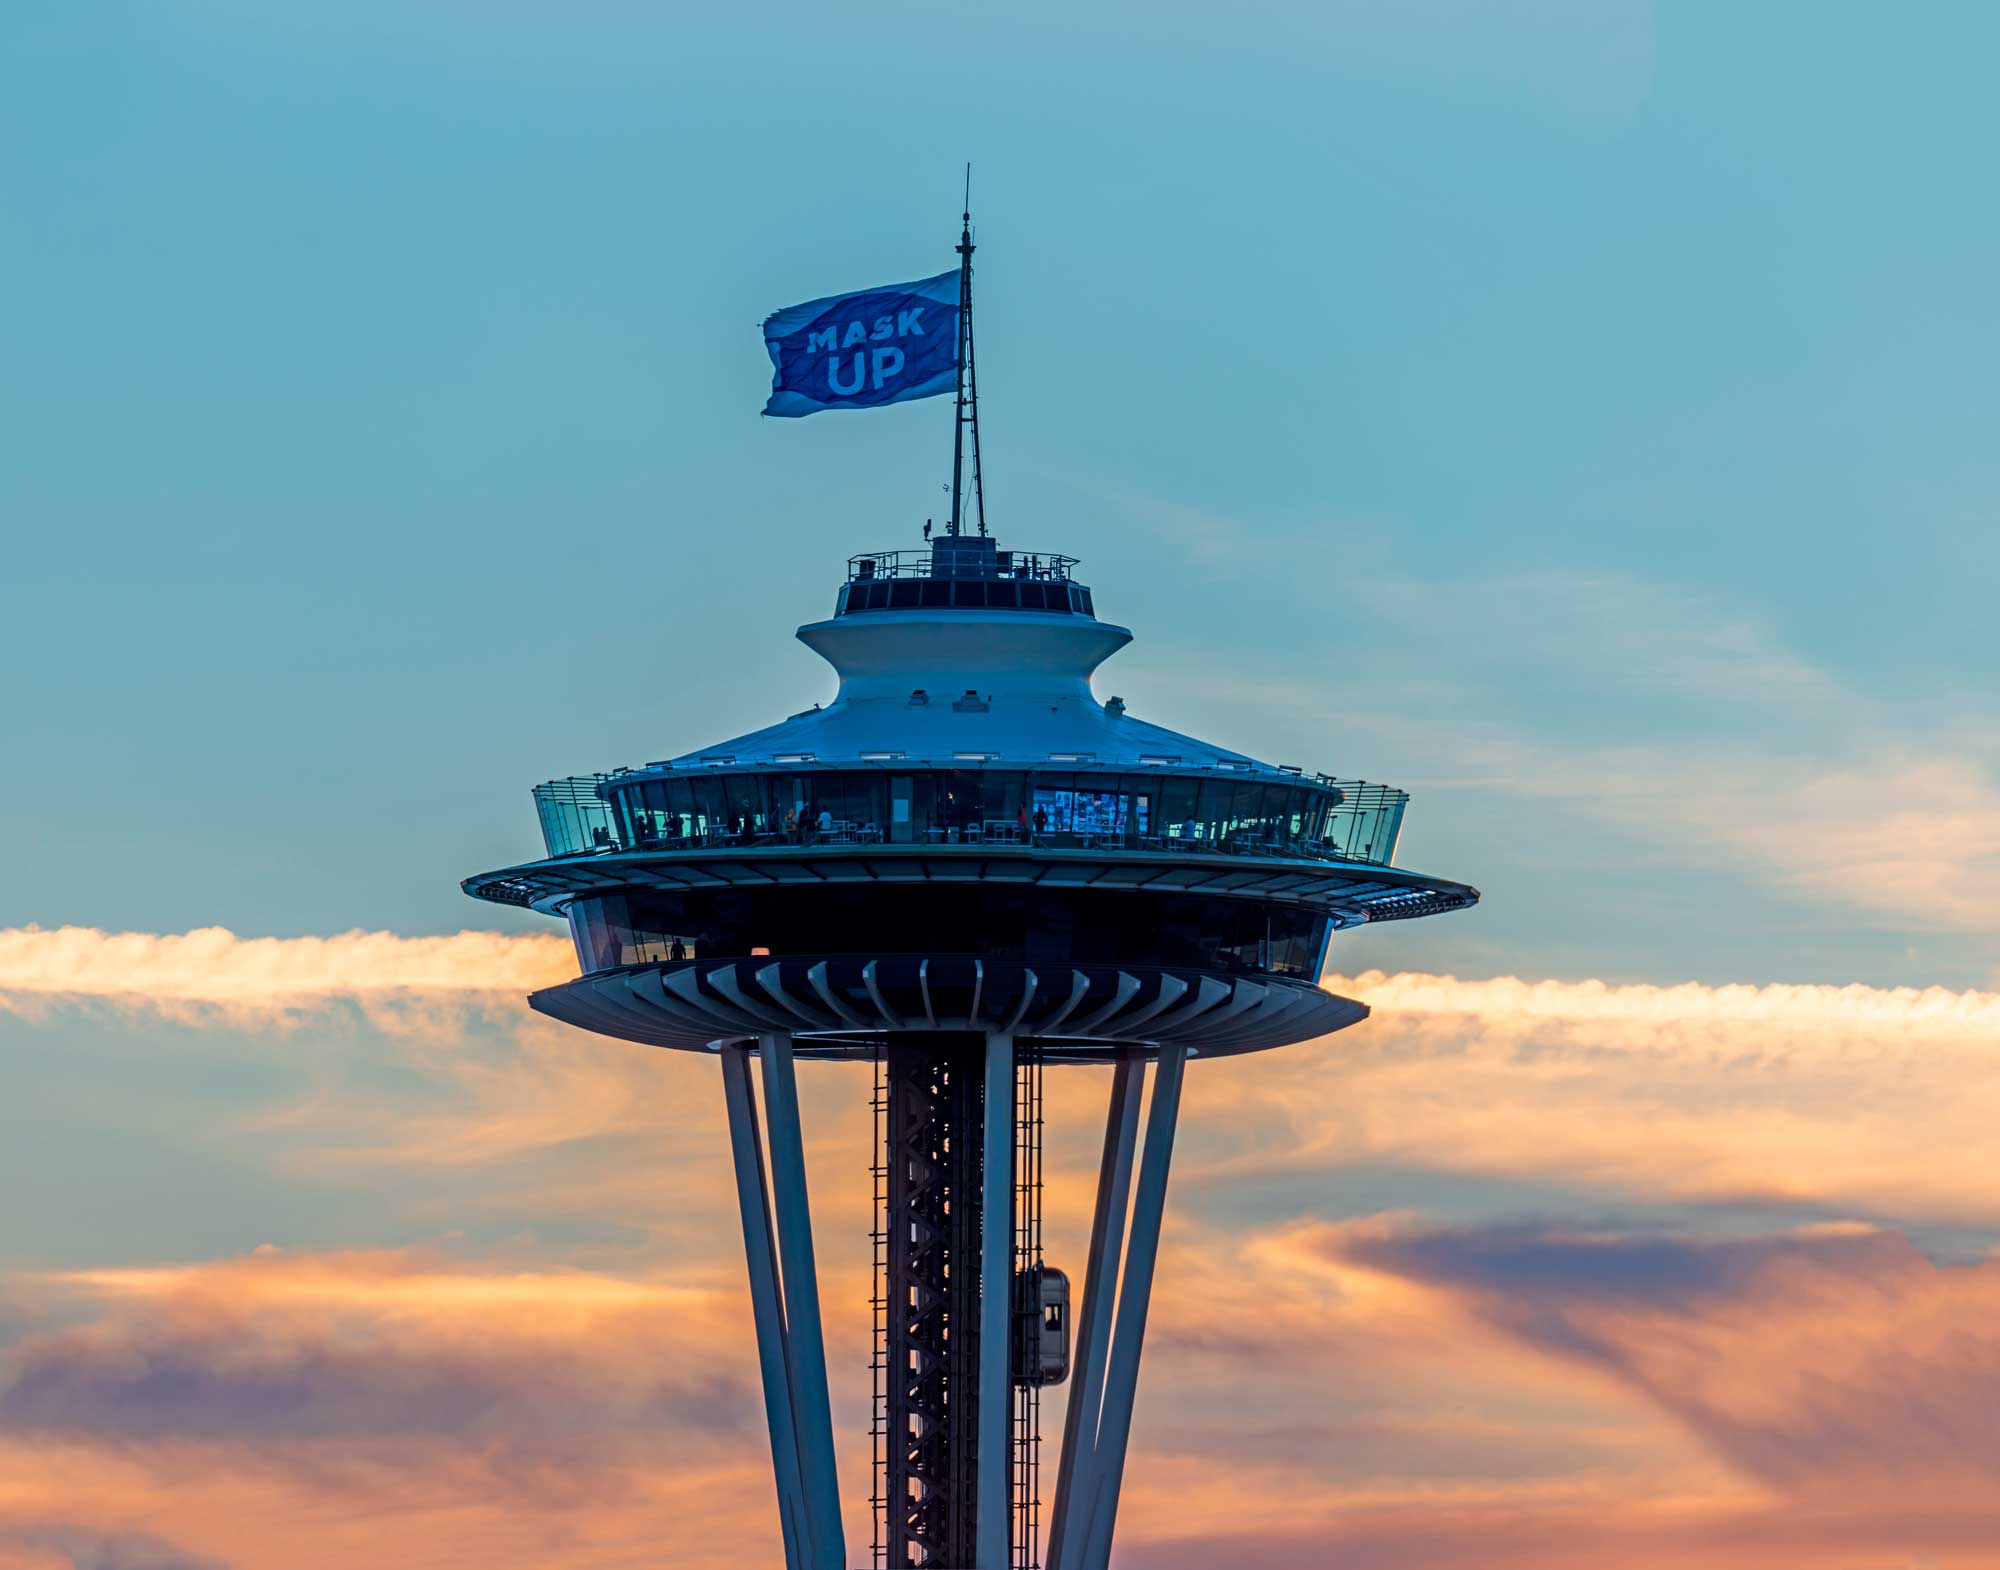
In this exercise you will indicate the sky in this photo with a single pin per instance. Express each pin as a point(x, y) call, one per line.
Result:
point(1577, 414)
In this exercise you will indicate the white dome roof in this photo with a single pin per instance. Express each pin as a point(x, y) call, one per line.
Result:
point(945, 686)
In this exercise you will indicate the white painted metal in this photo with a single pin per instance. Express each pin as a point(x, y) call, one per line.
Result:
point(1114, 1431)
point(1069, 1517)
point(767, 1312)
point(724, 981)
point(1031, 987)
point(812, 1407)
point(1079, 984)
point(832, 999)
point(996, 1299)
point(1034, 667)
point(875, 995)
point(1122, 993)
point(772, 979)
point(924, 990)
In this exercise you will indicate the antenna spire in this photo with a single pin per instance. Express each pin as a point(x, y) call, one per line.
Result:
point(968, 378)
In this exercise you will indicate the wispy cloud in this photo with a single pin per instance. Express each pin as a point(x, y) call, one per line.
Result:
point(1793, 1094)
point(1787, 1096)
point(1672, 717)
point(276, 1348)
point(214, 965)
point(455, 1403)
point(1815, 1362)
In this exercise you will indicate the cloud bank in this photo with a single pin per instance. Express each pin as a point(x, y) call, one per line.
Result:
point(1517, 1273)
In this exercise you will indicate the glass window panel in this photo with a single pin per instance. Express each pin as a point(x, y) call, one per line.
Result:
point(1178, 802)
point(1035, 924)
point(680, 807)
point(749, 799)
point(1002, 793)
point(711, 800)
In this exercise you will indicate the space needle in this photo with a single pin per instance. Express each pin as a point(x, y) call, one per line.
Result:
point(966, 870)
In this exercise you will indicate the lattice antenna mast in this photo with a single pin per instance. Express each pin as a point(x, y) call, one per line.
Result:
point(968, 380)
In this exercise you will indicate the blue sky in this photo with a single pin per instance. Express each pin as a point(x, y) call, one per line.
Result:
point(1573, 413)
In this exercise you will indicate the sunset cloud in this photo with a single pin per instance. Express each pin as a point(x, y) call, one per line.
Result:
point(1792, 1095)
point(1516, 1275)
point(459, 1401)
point(214, 965)
point(1815, 1362)
point(275, 1348)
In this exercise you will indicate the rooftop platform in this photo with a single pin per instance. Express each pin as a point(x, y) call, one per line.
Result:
point(962, 572)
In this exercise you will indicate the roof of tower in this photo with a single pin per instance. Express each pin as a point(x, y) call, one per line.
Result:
point(956, 669)
point(969, 724)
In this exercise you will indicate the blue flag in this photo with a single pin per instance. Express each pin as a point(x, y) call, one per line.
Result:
point(858, 351)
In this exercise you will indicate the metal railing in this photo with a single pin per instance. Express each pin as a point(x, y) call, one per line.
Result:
point(944, 560)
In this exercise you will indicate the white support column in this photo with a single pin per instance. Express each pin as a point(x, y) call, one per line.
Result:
point(766, 1309)
point(1069, 1518)
point(812, 1407)
point(996, 1306)
point(1114, 1432)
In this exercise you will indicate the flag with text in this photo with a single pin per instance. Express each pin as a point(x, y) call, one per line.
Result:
point(862, 350)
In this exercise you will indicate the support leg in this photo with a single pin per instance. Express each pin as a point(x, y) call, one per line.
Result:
point(1134, 1297)
point(812, 1411)
point(996, 1309)
point(1070, 1516)
point(766, 1310)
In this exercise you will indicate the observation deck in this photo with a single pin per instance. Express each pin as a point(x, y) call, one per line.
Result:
point(964, 800)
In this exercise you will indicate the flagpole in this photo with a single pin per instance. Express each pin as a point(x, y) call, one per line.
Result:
point(964, 345)
point(972, 398)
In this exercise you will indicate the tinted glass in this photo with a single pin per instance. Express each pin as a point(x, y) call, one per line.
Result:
point(1035, 925)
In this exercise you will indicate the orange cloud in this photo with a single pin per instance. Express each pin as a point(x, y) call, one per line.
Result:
point(1324, 1384)
point(214, 965)
point(1833, 1097)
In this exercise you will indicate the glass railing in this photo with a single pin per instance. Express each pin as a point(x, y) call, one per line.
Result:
point(574, 817)
point(1324, 820)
